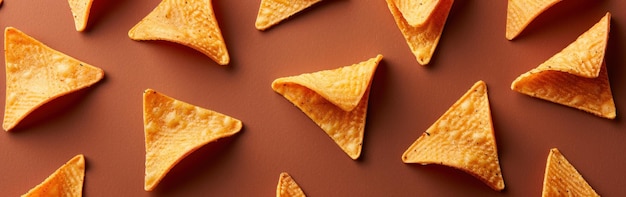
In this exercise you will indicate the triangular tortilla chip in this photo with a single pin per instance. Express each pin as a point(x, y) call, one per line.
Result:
point(80, 11)
point(37, 74)
point(562, 179)
point(423, 39)
point(174, 129)
point(287, 187)
point(416, 12)
point(191, 23)
point(521, 12)
point(65, 181)
point(272, 12)
point(328, 98)
point(576, 76)
point(462, 138)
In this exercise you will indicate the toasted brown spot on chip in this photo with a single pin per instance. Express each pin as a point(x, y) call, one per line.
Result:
point(188, 22)
point(562, 179)
point(272, 12)
point(287, 187)
point(462, 138)
point(37, 74)
point(336, 100)
point(521, 12)
point(65, 181)
point(174, 129)
point(80, 11)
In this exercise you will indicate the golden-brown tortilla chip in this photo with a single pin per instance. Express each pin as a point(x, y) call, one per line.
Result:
point(462, 138)
point(562, 179)
point(416, 12)
point(336, 100)
point(80, 11)
point(190, 22)
point(272, 12)
point(521, 12)
point(422, 39)
point(174, 129)
point(65, 181)
point(287, 187)
point(37, 74)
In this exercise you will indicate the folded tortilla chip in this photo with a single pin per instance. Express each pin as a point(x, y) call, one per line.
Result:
point(336, 100)
point(576, 76)
point(65, 181)
point(37, 74)
point(422, 39)
point(416, 12)
point(272, 12)
point(562, 179)
point(287, 187)
point(462, 138)
point(191, 23)
point(80, 11)
point(174, 129)
point(521, 12)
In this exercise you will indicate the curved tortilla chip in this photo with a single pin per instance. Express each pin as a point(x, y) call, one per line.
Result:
point(316, 94)
point(562, 179)
point(37, 74)
point(65, 181)
point(80, 11)
point(174, 129)
point(272, 12)
point(416, 12)
point(462, 138)
point(423, 39)
point(188, 22)
point(521, 12)
point(287, 187)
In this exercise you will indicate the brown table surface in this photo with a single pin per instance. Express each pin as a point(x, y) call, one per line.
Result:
point(105, 124)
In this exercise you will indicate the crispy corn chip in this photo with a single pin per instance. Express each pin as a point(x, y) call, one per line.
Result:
point(423, 39)
point(65, 181)
point(80, 11)
point(562, 179)
point(272, 12)
point(174, 129)
point(416, 12)
point(188, 22)
point(37, 74)
point(462, 138)
point(287, 187)
point(336, 100)
point(521, 12)
point(576, 76)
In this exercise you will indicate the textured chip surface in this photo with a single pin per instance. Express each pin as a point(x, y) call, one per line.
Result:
point(416, 12)
point(462, 138)
point(173, 129)
point(80, 11)
point(521, 12)
point(287, 187)
point(576, 77)
point(272, 12)
point(37, 74)
point(423, 39)
point(188, 22)
point(562, 179)
point(345, 127)
point(67, 181)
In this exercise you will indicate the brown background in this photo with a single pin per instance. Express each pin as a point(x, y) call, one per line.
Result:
point(104, 122)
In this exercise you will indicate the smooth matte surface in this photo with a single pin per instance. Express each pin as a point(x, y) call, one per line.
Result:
point(104, 122)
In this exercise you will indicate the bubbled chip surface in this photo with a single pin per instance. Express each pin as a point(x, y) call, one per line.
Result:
point(287, 187)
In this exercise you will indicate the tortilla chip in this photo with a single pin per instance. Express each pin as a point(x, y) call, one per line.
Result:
point(462, 138)
point(174, 129)
point(521, 12)
point(37, 74)
point(80, 12)
point(576, 76)
point(287, 187)
point(422, 39)
point(562, 179)
point(191, 23)
point(416, 12)
point(336, 100)
point(272, 12)
point(65, 181)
